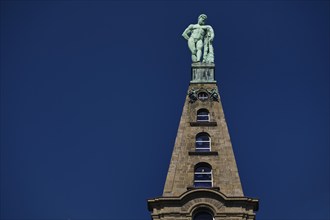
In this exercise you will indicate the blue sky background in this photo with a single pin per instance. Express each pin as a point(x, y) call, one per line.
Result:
point(92, 94)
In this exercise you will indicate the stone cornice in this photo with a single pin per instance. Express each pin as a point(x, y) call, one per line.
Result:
point(248, 203)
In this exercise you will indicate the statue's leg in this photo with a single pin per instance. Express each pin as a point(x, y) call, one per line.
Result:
point(192, 47)
point(199, 46)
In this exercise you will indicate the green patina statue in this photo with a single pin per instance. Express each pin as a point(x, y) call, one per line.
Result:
point(198, 36)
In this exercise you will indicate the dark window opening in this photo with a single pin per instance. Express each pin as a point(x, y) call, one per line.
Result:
point(203, 142)
point(203, 175)
point(203, 115)
point(203, 215)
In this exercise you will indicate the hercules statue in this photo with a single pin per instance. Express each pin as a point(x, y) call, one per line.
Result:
point(200, 35)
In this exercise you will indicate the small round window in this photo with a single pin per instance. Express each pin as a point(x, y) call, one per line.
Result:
point(203, 96)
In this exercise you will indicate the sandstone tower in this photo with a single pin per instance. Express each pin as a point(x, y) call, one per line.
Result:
point(202, 181)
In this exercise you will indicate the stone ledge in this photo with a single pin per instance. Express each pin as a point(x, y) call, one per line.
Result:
point(211, 188)
point(196, 153)
point(211, 82)
point(203, 123)
point(202, 65)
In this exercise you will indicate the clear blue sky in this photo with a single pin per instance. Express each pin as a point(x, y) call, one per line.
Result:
point(92, 94)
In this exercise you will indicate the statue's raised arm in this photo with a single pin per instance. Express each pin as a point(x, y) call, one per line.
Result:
point(198, 36)
point(208, 53)
point(210, 32)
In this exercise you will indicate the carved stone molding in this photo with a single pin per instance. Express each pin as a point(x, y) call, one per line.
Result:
point(198, 94)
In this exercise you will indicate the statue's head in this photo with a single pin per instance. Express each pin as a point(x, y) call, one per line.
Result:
point(202, 18)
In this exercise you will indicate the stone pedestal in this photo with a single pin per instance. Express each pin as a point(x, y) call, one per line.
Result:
point(202, 73)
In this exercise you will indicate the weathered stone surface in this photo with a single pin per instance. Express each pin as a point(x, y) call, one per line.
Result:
point(225, 173)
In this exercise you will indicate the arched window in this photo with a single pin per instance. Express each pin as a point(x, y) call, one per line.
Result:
point(203, 115)
point(203, 175)
point(203, 215)
point(203, 142)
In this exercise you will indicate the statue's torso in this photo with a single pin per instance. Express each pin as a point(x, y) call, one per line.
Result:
point(198, 31)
